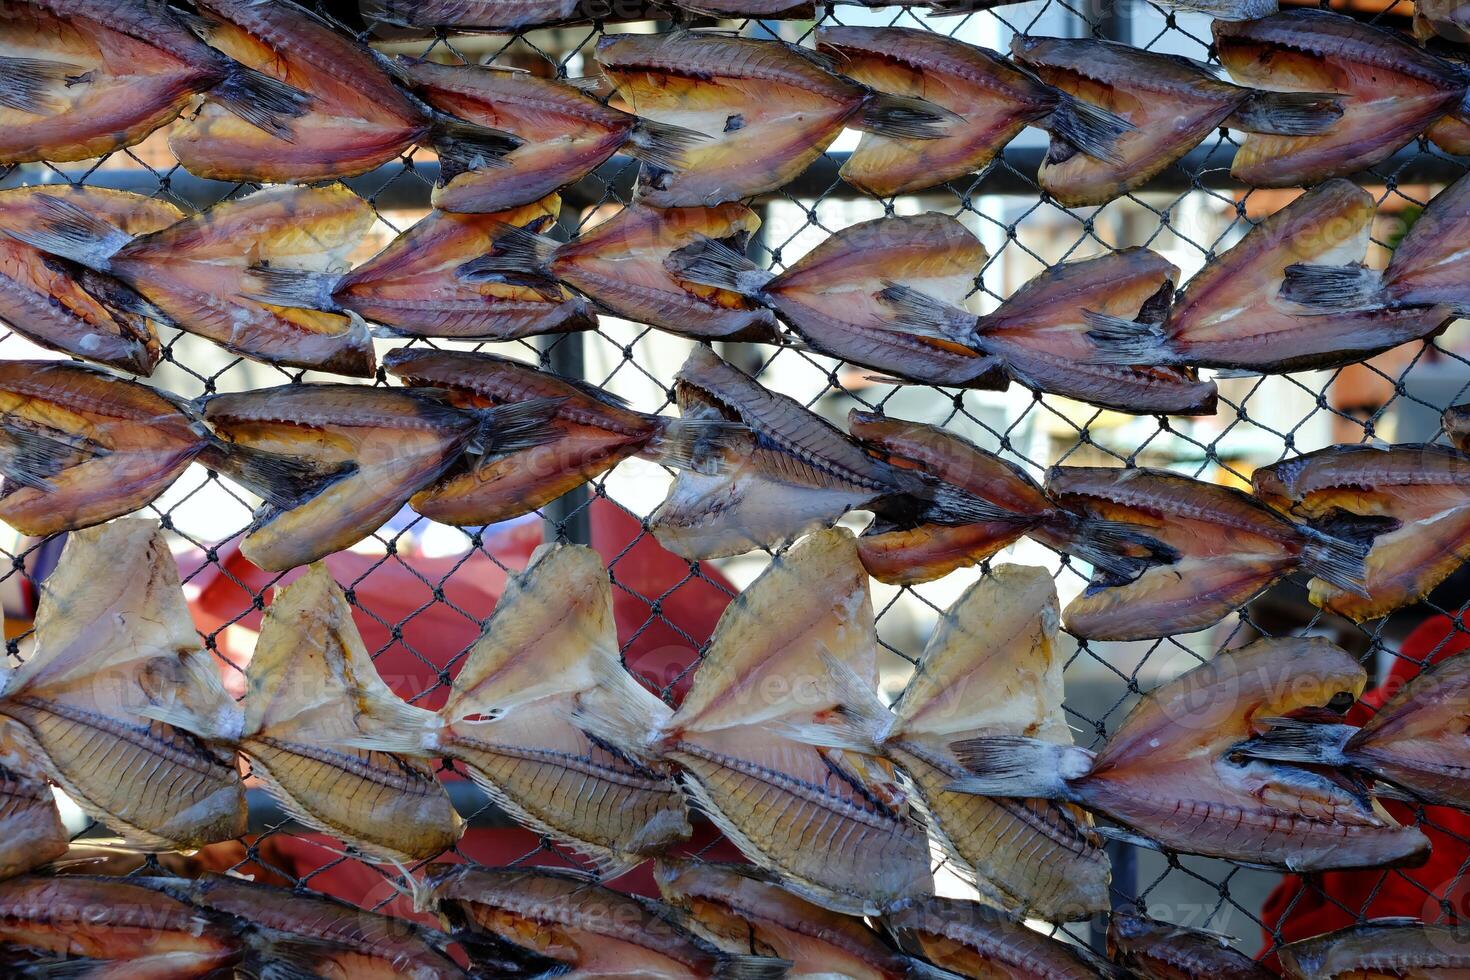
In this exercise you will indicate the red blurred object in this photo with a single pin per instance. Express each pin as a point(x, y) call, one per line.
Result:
point(665, 612)
point(1302, 907)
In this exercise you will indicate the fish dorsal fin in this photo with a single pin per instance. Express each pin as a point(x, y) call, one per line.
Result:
point(764, 638)
point(991, 664)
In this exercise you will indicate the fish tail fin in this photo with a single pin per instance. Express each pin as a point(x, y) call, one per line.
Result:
point(1118, 549)
point(661, 144)
point(463, 146)
point(29, 457)
point(512, 428)
point(260, 100)
point(1288, 113)
point(713, 263)
point(751, 968)
point(949, 504)
point(1014, 765)
point(71, 232)
point(904, 117)
point(1342, 563)
point(1090, 128)
point(1128, 343)
point(924, 314)
point(282, 481)
point(514, 252)
point(26, 84)
point(1294, 740)
point(692, 444)
point(1333, 288)
point(296, 288)
point(1228, 9)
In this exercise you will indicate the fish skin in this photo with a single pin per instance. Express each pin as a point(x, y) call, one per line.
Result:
point(45, 300)
point(127, 931)
point(1391, 91)
point(796, 781)
point(1229, 548)
point(740, 909)
point(1380, 948)
point(1427, 265)
point(975, 940)
point(502, 16)
point(31, 831)
point(95, 673)
point(1156, 950)
point(569, 917)
point(992, 666)
point(594, 434)
point(1421, 492)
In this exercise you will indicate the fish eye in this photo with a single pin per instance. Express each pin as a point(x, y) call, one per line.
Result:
point(1341, 702)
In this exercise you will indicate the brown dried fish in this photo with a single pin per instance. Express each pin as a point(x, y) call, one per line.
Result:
point(974, 940)
point(31, 832)
point(502, 16)
point(1173, 775)
point(1380, 948)
point(1164, 951)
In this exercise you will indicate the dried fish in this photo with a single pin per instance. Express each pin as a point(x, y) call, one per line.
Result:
point(71, 309)
point(975, 940)
point(502, 16)
point(1170, 103)
point(1218, 9)
point(1390, 91)
point(1449, 19)
point(589, 928)
point(906, 553)
point(82, 78)
point(783, 471)
point(104, 928)
point(31, 832)
point(993, 98)
point(382, 444)
point(548, 721)
point(767, 108)
point(358, 119)
point(1410, 503)
point(1219, 549)
point(1042, 333)
point(1156, 950)
point(195, 270)
point(566, 133)
point(621, 265)
point(413, 287)
point(776, 737)
point(833, 296)
point(1380, 948)
point(79, 446)
point(1231, 316)
point(742, 909)
point(1173, 776)
point(992, 667)
point(1429, 266)
point(112, 632)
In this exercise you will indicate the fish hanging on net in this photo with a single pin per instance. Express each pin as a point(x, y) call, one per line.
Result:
point(795, 778)
point(975, 940)
point(197, 271)
point(69, 308)
point(113, 632)
point(565, 132)
point(1218, 9)
point(768, 109)
point(413, 288)
point(910, 552)
point(993, 99)
point(1409, 504)
point(782, 471)
point(1390, 91)
point(359, 117)
point(595, 430)
point(109, 929)
point(742, 909)
point(1042, 333)
point(1171, 104)
point(82, 78)
point(1172, 775)
point(1429, 267)
point(548, 721)
point(992, 666)
point(1207, 549)
point(833, 297)
point(1235, 315)
point(422, 17)
point(621, 265)
point(1389, 947)
point(79, 446)
point(382, 445)
point(1155, 950)
point(586, 927)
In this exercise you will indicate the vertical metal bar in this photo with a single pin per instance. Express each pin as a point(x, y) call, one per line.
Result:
point(568, 517)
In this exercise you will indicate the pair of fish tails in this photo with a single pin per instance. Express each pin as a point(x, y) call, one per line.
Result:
point(1158, 950)
point(1382, 947)
point(113, 633)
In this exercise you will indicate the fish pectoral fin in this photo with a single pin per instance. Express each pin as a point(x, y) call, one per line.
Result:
point(28, 84)
point(281, 481)
point(260, 100)
point(1333, 288)
point(1125, 342)
point(31, 453)
point(1288, 113)
point(925, 316)
point(698, 444)
point(1018, 766)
